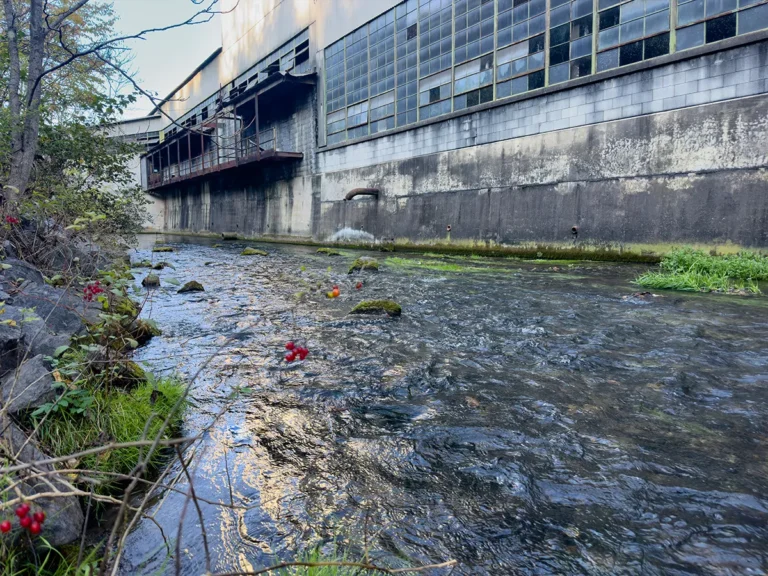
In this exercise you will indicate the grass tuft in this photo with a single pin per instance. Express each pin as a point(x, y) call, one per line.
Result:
point(696, 271)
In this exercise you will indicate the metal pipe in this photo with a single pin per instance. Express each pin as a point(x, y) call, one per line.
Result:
point(361, 192)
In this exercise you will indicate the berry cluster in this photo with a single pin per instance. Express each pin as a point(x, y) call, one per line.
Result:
point(33, 523)
point(12, 220)
point(295, 352)
point(334, 293)
point(92, 290)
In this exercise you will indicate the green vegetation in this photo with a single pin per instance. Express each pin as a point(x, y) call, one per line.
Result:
point(328, 252)
point(51, 561)
point(253, 252)
point(696, 271)
point(364, 263)
point(376, 307)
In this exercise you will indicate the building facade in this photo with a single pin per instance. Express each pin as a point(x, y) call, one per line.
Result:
point(507, 122)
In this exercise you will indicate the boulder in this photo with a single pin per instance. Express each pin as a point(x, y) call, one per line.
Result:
point(11, 345)
point(389, 307)
point(20, 270)
point(151, 281)
point(63, 311)
point(364, 263)
point(64, 515)
point(253, 252)
point(30, 386)
point(39, 340)
point(191, 286)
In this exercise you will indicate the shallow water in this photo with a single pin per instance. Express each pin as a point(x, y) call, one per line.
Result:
point(521, 418)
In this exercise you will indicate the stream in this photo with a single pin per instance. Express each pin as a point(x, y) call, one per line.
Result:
point(519, 417)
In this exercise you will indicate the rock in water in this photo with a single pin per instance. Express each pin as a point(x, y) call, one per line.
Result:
point(389, 307)
point(328, 252)
point(192, 286)
point(162, 249)
point(30, 386)
point(364, 263)
point(253, 252)
point(151, 281)
point(161, 265)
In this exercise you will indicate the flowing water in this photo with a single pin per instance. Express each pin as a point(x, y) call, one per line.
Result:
point(521, 418)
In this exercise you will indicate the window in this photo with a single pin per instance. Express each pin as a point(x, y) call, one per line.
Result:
point(519, 19)
point(520, 67)
point(473, 83)
point(474, 29)
point(381, 33)
point(435, 95)
point(434, 36)
point(632, 31)
point(705, 21)
point(570, 39)
point(406, 26)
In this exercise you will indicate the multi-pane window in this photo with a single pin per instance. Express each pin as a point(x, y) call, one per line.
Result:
point(704, 21)
point(631, 31)
point(473, 83)
point(381, 35)
point(407, 26)
point(518, 20)
point(520, 67)
point(435, 95)
point(474, 24)
point(427, 58)
point(570, 39)
point(434, 36)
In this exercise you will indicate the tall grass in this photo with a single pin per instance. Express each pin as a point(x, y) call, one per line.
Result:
point(696, 271)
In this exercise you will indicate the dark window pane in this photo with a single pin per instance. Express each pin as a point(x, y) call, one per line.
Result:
point(536, 80)
point(609, 18)
point(486, 94)
point(721, 28)
point(656, 46)
point(559, 35)
point(581, 67)
point(411, 32)
point(434, 94)
point(486, 62)
point(581, 27)
point(558, 54)
point(630, 53)
point(473, 98)
point(536, 44)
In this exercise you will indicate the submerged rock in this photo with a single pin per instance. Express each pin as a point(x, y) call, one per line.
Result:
point(328, 252)
point(29, 386)
point(191, 286)
point(161, 265)
point(163, 249)
point(151, 281)
point(253, 252)
point(378, 307)
point(364, 263)
point(142, 264)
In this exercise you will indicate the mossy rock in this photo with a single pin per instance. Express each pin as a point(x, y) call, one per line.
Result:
point(162, 265)
point(328, 252)
point(163, 249)
point(123, 306)
point(218, 246)
point(364, 263)
point(151, 281)
point(229, 236)
point(377, 307)
point(191, 286)
point(142, 264)
point(253, 252)
point(143, 331)
point(129, 374)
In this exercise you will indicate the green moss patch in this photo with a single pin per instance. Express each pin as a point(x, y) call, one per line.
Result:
point(696, 271)
point(142, 264)
point(163, 249)
point(151, 281)
point(378, 307)
point(328, 252)
point(191, 286)
point(253, 252)
point(364, 263)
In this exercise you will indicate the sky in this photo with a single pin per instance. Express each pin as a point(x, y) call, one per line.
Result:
point(164, 59)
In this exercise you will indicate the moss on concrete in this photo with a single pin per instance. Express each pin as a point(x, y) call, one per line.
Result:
point(364, 263)
point(389, 307)
point(253, 252)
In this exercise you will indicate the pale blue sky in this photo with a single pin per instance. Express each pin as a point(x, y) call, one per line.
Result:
point(164, 59)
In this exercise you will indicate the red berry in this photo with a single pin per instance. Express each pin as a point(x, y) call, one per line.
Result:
point(359, 285)
point(290, 345)
point(5, 527)
point(290, 357)
point(35, 528)
point(25, 522)
point(39, 517)
point(335, 287)
point(22, 510)
point(303, 353)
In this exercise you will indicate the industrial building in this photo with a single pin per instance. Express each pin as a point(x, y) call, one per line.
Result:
point(508, 122)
